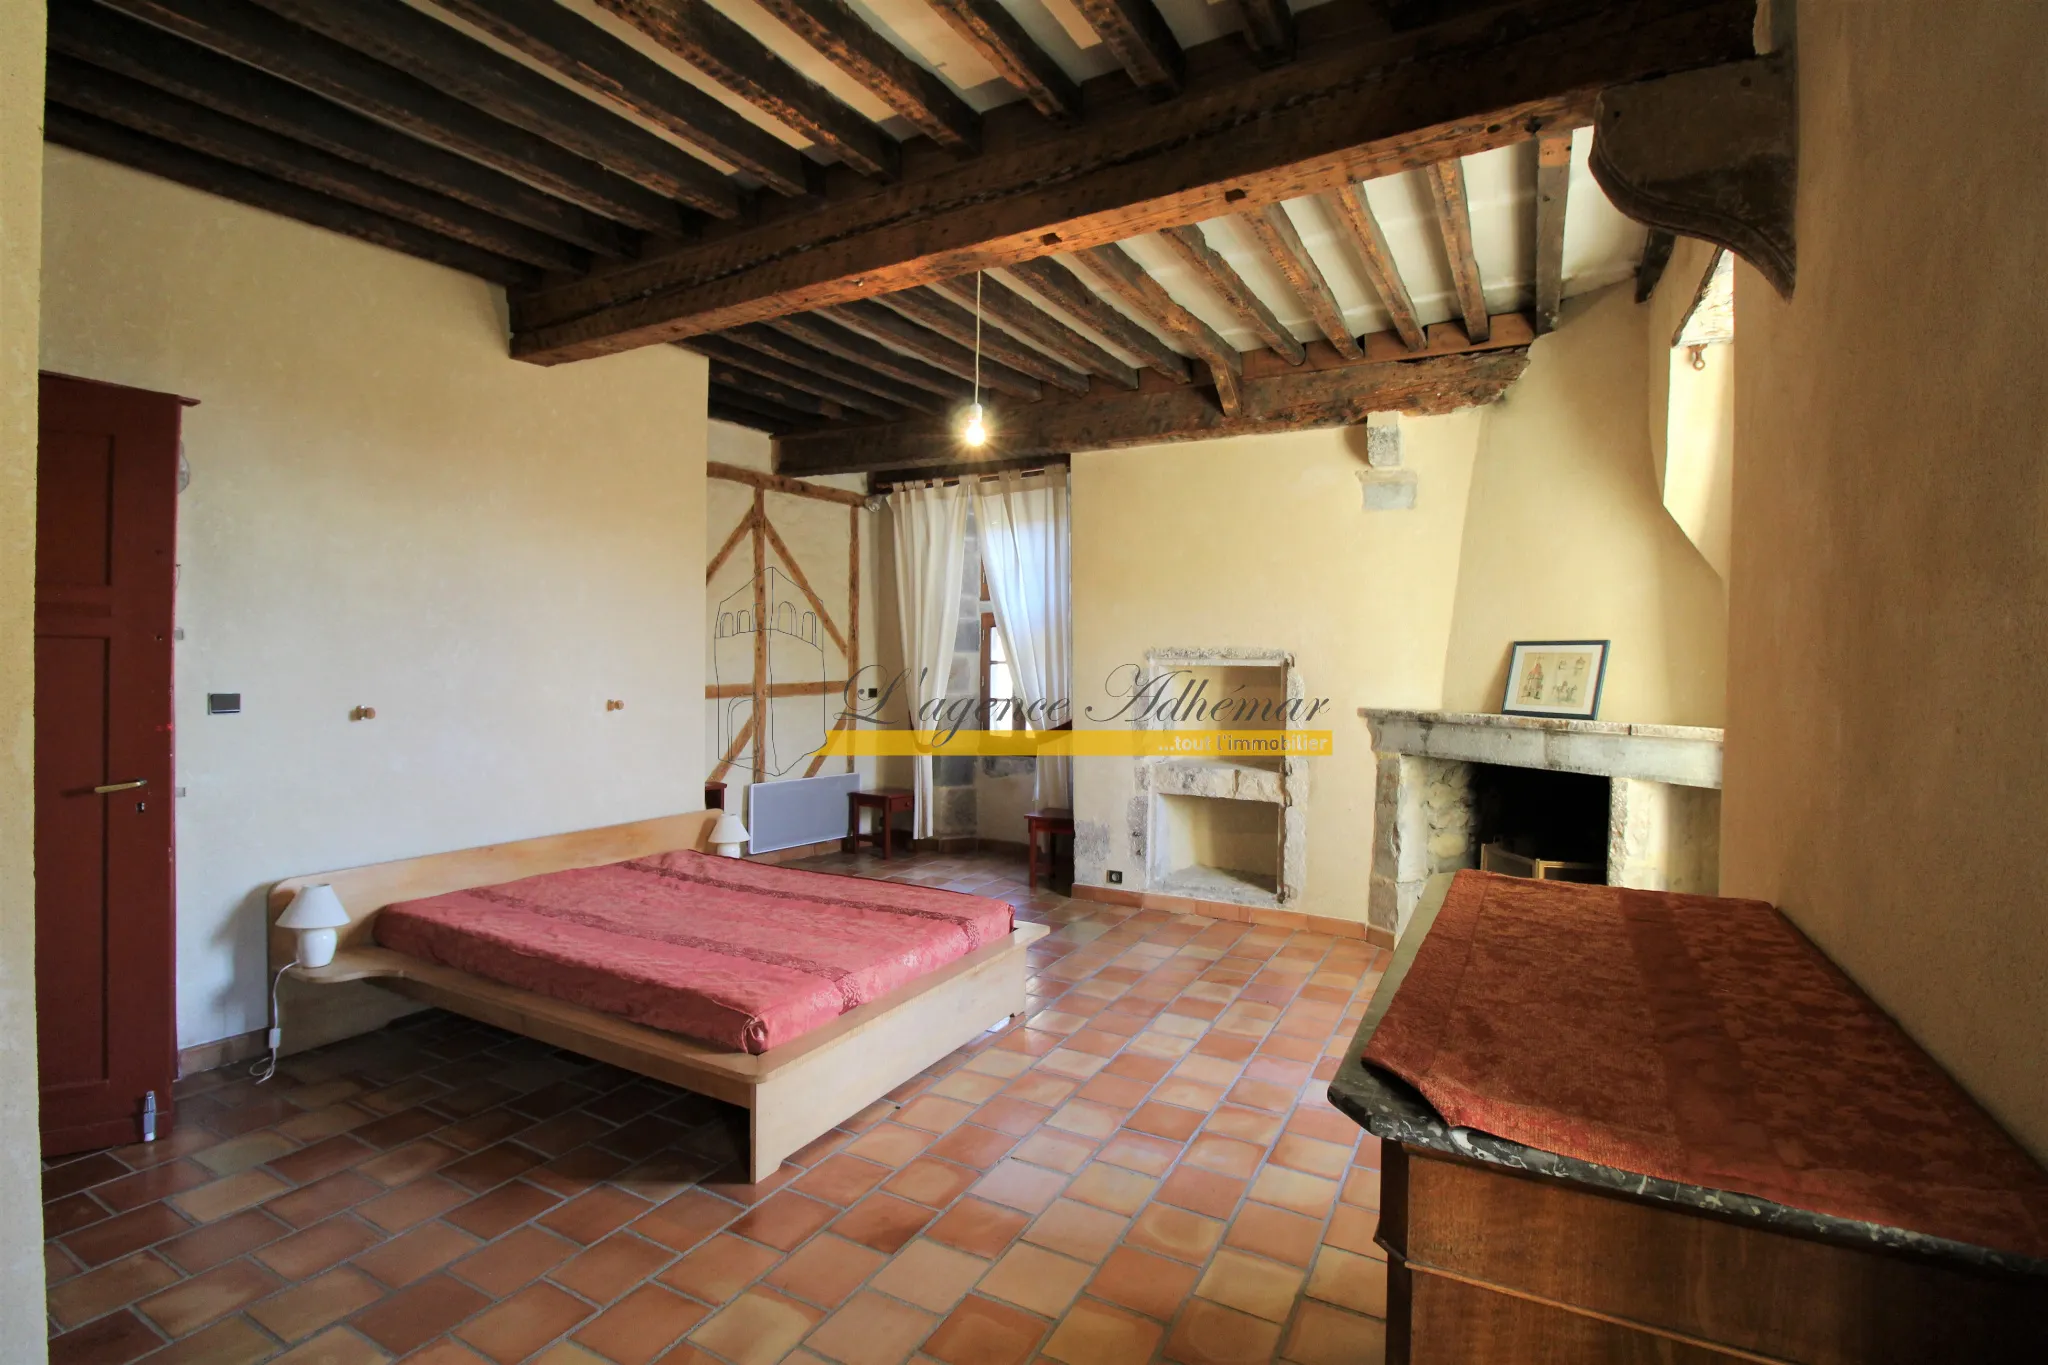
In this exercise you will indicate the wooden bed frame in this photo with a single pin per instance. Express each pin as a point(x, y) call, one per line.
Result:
point(793, 1094)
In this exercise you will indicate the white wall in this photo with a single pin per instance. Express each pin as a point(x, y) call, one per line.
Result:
point(387, 511)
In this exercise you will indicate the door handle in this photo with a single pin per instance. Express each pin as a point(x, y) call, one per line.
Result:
point(120, 786)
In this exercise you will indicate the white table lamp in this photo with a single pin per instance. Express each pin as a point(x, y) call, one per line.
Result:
point(314, 914)
point(727, 835)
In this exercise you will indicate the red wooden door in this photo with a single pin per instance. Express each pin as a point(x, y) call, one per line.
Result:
point(106, 515)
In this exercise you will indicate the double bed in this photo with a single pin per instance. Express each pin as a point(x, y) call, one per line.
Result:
point(799, 996)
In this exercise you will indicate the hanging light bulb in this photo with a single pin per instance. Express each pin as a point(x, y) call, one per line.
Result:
point(975, 433)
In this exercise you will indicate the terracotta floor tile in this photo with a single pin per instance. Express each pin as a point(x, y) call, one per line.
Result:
point(611, 1267)
point(206, 1247)
point(1021, 1185)
point(231, 1341)
point(418, 1313)
point(979, 1228)
point(409, 1205)
point(504, 1208)
point(193, 1303)
point(1010, 1115)
point(309, 1204)
point(973, 1145)
point(111, 1340)
point(522, 1324)
point(112, 1238)
point(1079, 1230)
point(1246, 1125)
point(1326, 1125)
point(872, 1330)
point(1225, 1156)
point(883, 1222)
point(934, 1113)
point(1316, 1157)
point(319, 1247)
point(394, 1130)
point(1074, 1064)
point(335, 1346)
point(984, 1332)
point(321, 1158)
point(1362, 1187)
point(1034, 1278)
point(641, 1326)
point(1350, 1281)
point(239, 1154)
point(402, 1165)
point(1141, 1152)
point(1323, 1335)
point(891, 1144)
point(1175, 1232)
point(1211, 1334)
point(1353, 1229)
point(1138, 1279)
point(514, 1260)
point(1274, 1233)
point(592, 1216)
point(826, 1269)
point(1111, 1187)
point(62, 1217)
point(147, 1186)
point(88, 1296)
point(931, 1181)
point(1052, 1148)
point(1086, 1118)
point(1098, 1334)
point(1166, 1121)
point(1305, 1194)
point(1191, 1187)
point(1251, 1284)
point(405, 1258)
point(1037, 1087)
point(785, 1220)
point(758, 1328)
point(686, 1220)
point(448, 1351)
point(930, 1275)
point(304, 1309)
point(970, 1087)
point(493, 1166)
point(841, 1179)
point(1138, 1067)
point(997, 1061)
point(717, 1271)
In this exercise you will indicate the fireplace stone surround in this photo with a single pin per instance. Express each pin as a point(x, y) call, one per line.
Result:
point(1664, 809)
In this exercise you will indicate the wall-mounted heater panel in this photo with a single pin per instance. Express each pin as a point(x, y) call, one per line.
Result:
point(799, 810)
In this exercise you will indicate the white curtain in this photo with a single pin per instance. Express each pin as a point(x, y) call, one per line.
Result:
point(1023, 519)
point(931, 567)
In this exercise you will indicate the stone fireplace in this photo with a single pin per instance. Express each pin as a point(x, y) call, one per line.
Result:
point(1663, 803)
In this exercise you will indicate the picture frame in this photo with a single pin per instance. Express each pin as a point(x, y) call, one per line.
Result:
point(1558, 679)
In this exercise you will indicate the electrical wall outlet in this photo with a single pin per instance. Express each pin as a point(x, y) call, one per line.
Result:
point(1116, 878)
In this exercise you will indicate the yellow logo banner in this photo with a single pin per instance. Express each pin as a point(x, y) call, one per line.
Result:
point(1120, 743)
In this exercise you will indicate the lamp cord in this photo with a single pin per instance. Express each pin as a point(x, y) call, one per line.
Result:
point(263, 1068)
point(977, 338)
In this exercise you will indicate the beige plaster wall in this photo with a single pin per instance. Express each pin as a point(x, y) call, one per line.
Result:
point(1887, 760)
point(386, 511)
point(22, 1323)
point(1692, 411)
point(1567, 537)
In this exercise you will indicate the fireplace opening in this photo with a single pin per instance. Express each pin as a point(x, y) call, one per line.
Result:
point(1532, 822)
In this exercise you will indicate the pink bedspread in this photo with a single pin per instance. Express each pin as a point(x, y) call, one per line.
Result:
point(735, 953)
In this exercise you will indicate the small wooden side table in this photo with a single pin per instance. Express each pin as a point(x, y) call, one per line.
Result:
point(1053, 821)
point(884, 802)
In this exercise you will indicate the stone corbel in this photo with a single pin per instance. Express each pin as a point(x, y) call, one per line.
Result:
point(1712, 154)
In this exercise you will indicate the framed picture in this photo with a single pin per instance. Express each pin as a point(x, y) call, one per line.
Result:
point(1555, 678)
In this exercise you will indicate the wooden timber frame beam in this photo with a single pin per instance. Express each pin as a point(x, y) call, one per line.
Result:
point(1362, 101)
point(1326, 390)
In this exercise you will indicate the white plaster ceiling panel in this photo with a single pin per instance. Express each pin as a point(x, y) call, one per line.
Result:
point(1060, 314)
point(1601, 245)
point(1401, 203)
point(1500, 190)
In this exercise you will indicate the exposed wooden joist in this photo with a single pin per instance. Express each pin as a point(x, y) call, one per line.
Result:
point(1454, 224)
point(1275, 231)
point(1001, 40)
point(348, 77)
point(740, 62)
point(112, 142)
point(767, 340)
point(1193, 248)
point(823, 386)
point(1137, 33)
point(892, 329)
point(146, 109)
point(1363, 228)
point(1114, 269)
point(843, 38)
point(746, 384)
point(1326, 390)
point(858, 347)
point(1553, 183)
point(719, 407)
point(559, 38)
point(1026, 319)
point(1358, 103)
point(1059, 286)
point(144, 52)
point(881, 480)
point(398, 35)
point(775, 483)
point(1268, 29)
point(949, 319)
point(1657, 248)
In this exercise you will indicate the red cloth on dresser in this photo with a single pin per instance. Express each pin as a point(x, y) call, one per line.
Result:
point(736, 953)
point(1702, 1040)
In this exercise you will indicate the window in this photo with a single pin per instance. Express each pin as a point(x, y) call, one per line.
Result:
point(999, 707)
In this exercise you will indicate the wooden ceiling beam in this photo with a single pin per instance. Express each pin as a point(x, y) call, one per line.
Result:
point(143, 52)
point(1268, 30)
point(857, 347)
point(763, 390)
point(1377, 260)
point(1553, 186)
point(892, 329)
point(1136, 32)
point(751, 410)
point(564, 41)
point(882, 480)
point(342, 74)
point(929, 309)
point(730, 352)
point(1026, 319)
point(1060, 286)
point(1115, 271)
point(742, 63)
point(843, 38)
point(1359, 102)
point(400, 36)
point(1194, 250)
point(1326, 390)
point(759, 336)
point(145, 109)
point(1454, 224)
point(1002, 42)
point(112, 142)
point(1274, 230)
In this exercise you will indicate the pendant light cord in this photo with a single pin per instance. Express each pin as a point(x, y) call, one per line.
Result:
point(977, 338)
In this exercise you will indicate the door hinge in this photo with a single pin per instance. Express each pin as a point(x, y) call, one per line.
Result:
point(149, 1116)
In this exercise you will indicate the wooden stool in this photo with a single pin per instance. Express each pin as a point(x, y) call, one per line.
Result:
point(884, 803)
point(1053, 821)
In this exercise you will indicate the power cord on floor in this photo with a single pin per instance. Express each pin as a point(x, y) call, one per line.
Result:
point(263, 1068)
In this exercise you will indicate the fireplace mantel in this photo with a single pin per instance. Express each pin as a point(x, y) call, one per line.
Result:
point(1685, 755)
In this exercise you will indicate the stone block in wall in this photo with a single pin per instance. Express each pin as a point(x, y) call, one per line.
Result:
point(1091, 852)
point(953, 811)
point(1663, 837)
point(1388, 490)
